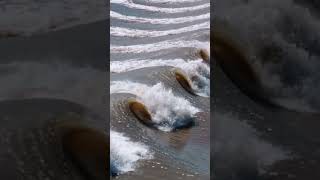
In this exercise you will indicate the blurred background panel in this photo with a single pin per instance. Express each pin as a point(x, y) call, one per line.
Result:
point(266, 79)
point(53, 61)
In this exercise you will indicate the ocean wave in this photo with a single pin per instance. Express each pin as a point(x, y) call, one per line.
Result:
point(124, 32)
point(179, 20)
point(198, 72)
point(168, 111)
point(130, 4)
point(122, 158)
point(279, 39)
point(235, 139)
point(172, 1)
point(153, 47)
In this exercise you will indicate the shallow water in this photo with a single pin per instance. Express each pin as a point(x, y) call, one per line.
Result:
point(45, 73)
point(149, 39)
point(279, 42)
point(29, 17)
point(268, 98)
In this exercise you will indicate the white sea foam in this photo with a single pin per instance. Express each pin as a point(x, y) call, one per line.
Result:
point(167, 110)
point(124, 32)
point(199, 74)
point(130, 4)
point(280, 40)
point(199, 71)
point(179, 20)
point(295, 103)
point(171, 1)
point(235, 138)
point(125, 154)
point(145, 48)
point(128, 65)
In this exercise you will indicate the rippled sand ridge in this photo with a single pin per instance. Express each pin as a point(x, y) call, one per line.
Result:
point(160, 89)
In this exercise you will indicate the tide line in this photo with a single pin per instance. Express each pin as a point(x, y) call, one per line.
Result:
point(124, 32)
point(180, 20)
point(153, 47)
point(130, 4)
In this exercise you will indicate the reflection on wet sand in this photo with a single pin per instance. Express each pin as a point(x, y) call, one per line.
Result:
point(53, 123)
point(266, 84)
point(160, 88)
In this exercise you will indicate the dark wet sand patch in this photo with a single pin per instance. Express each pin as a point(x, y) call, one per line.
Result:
point(296, 133)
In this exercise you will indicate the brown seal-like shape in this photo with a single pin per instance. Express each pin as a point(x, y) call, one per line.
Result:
point(184, 81)
point(140, 111)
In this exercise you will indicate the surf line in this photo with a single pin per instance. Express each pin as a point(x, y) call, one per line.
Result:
point(124, 32)
point(197, 71)
point(179, 20)
point(129, 65)
point(130, 4)
point(122, 159)
point(172, 1)
point(166, 111)
point(153, 47)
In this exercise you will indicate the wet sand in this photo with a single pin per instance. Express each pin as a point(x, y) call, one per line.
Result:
point(149, 41)
point(45, 76)
point(296, 134)
point(81, 45)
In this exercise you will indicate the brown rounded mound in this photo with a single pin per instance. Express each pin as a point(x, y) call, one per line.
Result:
point(235, 64)
point(87, 147)
point(203, 53)
point(140, 111)
point(184, 81)
point(7, 34)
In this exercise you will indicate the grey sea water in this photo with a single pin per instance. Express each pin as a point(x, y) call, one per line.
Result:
point(53, 57)
point(266, 114)
point(149, 41)
point(53, 62)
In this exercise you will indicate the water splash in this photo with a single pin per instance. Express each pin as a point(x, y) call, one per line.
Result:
point(153, 47)
point(130, 4)
point(122, 158)
point(168, 111)
point(116, 15)
point(198, 72)
point(172, 1)
point(124, 32)
point(280, 40)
